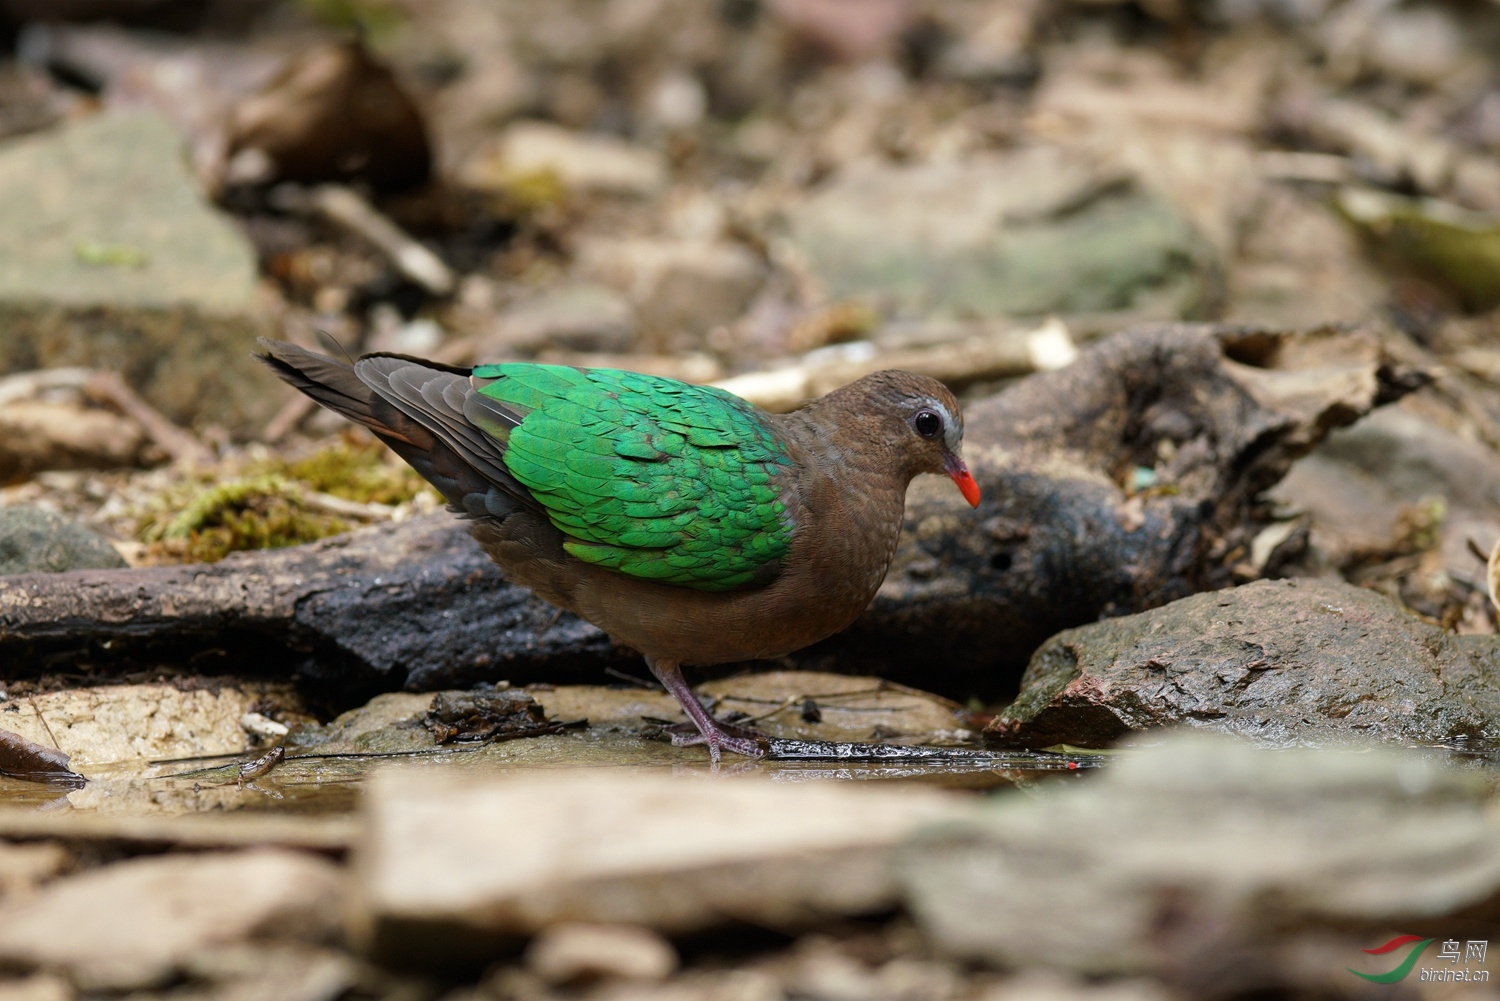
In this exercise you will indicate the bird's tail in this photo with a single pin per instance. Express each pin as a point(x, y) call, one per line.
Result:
point(473, 479)
point(331, 383)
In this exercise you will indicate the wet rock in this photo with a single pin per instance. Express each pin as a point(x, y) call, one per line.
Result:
point(589, 164)
point(114, 723)
point(575, 316)
point(179, 906)
point(681, 289)
point(110, 258)
point(1278, 661)
point(1025, 233)
point(571, 953)
point(1196, 857)
point(388, 724)
point(450, 869)
point(33, 540)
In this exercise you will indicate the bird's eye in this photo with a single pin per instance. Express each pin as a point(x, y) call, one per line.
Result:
point(927, 423)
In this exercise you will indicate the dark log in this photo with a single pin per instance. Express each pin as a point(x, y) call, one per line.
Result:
point(1215, 414)
point(384, 608)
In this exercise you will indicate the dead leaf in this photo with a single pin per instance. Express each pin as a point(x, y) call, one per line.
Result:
point(31, 762)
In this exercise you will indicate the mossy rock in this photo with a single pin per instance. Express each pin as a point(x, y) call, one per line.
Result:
point(110, 257)
point(33, 540)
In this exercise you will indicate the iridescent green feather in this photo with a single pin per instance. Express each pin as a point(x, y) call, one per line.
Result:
point(654, 478)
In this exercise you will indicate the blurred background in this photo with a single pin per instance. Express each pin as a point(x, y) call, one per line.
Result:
point(776, 196)
point(708, 190)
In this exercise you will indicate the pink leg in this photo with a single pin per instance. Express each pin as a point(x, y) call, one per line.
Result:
point(712, 734)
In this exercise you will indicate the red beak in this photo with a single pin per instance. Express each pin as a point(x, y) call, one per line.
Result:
point(959, 473)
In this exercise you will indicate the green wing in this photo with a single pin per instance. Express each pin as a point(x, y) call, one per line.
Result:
point(652, 477)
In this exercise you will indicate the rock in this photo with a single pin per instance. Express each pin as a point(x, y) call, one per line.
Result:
point(1063, 536)
point(37, 435)
point(110, 258)
point(41, 987)
point(1197, 857)
point(33, 540)
point(589, 164)
point(25, 867)
point(1280, 661)
point(116, 723)
point(570, 953)
point(1362, 486)
point(578, 316)
point(1025, 233)
point(178, 907)
point(333, 113)
point(852, 30)
point(681, 289)
point(1422, 45)
point(1049, 985)
point(450, 871)
point(1299, 265)
point(284, 971)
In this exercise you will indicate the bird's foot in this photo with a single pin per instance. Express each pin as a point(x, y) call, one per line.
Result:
point(719, 739)
point(718, 736)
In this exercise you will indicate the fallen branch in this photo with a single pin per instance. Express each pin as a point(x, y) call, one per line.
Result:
point(960, 362)
point(181, 445)
point(351, 213)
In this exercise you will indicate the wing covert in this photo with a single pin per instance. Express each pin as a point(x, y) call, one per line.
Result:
point(651, 477)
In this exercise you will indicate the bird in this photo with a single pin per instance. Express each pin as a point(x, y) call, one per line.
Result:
point(682, 520)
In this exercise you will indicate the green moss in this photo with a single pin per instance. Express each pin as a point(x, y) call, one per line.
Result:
point(255, 512)
point(273, 503)
point(364, 471)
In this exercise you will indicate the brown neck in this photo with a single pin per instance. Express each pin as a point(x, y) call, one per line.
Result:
point(850, 486)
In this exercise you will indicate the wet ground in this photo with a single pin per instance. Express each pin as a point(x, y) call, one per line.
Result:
point(821, 728)
point(195, 753)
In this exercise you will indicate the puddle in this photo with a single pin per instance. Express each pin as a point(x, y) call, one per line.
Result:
point(192, 755)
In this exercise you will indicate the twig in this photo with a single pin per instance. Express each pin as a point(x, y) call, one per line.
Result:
point(957, 363)
point(181, 445)
point(25, 385)
point(288, 417)
point(345, 209)
point(346, 508)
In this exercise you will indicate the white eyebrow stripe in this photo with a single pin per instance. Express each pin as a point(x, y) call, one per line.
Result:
point(951, 435)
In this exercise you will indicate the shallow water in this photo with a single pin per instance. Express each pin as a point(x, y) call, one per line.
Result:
point(862, 731)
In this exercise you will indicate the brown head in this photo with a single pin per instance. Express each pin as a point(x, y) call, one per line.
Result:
point(909, 423)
